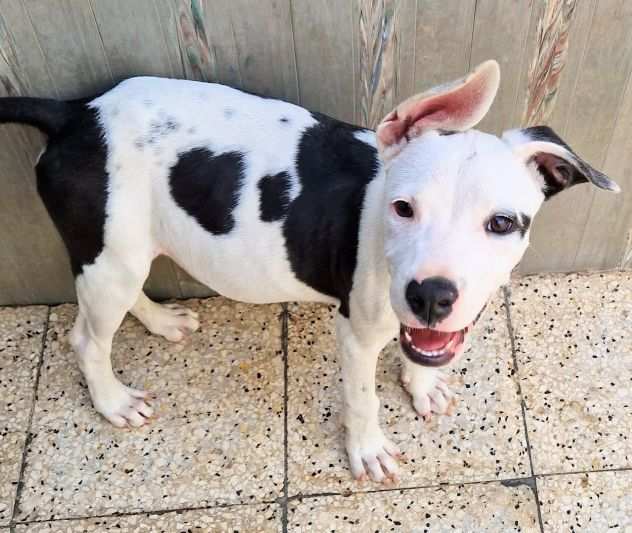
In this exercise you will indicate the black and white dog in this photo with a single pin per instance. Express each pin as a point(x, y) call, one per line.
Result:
point(410, 228)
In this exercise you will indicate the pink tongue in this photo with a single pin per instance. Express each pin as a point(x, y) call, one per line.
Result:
point(429, 339)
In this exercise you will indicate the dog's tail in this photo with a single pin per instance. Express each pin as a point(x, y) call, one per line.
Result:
point(49, 116)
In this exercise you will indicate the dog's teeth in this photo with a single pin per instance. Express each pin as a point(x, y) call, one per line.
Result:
point(407, 336)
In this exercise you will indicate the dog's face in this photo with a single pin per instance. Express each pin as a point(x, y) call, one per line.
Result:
point(458, 207)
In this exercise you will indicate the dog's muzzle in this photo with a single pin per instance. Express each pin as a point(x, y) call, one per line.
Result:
point(429, 347)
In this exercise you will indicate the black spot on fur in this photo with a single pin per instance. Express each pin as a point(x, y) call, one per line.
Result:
point(207, 187)
point(72, 181)
point(284, 120)
point(322, 224)
point(274, 196)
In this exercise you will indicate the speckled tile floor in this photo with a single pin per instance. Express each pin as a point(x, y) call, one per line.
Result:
point(248, 434)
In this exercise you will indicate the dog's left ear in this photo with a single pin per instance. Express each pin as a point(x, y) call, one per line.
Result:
point(457, 106)
point(552, 162)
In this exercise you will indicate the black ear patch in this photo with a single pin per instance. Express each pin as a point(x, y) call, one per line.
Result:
point(274, 196)
point(207, 187)
point(565, 169)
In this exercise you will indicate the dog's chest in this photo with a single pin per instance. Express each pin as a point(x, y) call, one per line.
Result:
point(257, 198)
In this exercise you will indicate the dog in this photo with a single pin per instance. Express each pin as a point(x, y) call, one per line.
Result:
point(409, 230)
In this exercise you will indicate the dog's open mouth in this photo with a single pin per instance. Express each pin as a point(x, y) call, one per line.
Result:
point(429, 347)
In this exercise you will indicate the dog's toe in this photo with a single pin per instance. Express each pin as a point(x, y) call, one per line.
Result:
point(375, 458)
point(122, 406)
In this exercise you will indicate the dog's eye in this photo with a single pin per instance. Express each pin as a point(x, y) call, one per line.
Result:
point(403, 208)
point(500, 224)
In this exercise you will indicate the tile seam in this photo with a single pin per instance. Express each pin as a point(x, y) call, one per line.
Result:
point(29, 434)
point(523, 407)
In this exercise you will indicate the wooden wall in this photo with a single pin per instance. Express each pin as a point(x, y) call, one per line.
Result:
point(563, 62)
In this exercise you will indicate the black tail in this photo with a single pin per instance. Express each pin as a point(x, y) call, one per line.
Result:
point(50, 116)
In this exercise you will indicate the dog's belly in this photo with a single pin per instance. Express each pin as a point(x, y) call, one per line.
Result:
point(249, 265)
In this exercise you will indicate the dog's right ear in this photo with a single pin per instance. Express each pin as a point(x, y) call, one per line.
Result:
point(457, 106)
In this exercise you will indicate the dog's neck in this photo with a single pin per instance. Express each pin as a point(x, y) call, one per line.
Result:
point(372, 269)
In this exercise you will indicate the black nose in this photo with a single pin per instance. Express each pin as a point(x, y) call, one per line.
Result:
point(432, 299)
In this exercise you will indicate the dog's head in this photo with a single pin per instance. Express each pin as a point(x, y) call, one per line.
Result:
point(459, 204)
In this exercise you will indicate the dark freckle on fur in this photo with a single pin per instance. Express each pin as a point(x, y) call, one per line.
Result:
point(284, 120)
point(139, 143)
point(118, 167)
point(191, 130)
point(172, 125)
point(229, 112)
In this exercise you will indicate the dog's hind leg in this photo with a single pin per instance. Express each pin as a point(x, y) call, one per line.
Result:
point(106, 290)
point(171, 321)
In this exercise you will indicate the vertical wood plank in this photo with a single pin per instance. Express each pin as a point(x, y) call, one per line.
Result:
point(257, 38)
point(609, 220)
point(500, 33)
point(548, 51)
point(23, 61)
point(70, 41)
point(443, 41)
point(324, 56)
point(133, 48)
point(381, 29)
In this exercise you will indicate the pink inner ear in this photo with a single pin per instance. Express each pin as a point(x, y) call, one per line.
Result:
point(456, 110)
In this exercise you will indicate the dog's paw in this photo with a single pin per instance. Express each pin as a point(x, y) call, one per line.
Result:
point(122, 406)
point(430, 392)
point(373, 456)
point(172, 321)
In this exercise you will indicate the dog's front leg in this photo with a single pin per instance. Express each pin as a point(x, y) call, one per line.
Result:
point(370, 452)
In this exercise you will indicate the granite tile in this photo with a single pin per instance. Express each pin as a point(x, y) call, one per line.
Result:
point(21, 331)
point(236, 353)
point(11, 449)
point(77, 470)
point(574, 352)
point(597, 501)
point(484, 440)
point(217, 437)
point(477, 507)
point(241, 518)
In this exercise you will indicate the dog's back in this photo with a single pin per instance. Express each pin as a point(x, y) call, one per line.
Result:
point(219, 179)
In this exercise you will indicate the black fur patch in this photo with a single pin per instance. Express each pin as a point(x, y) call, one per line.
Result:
point(207, 187)
point(72, 182)
point(322, 224)
point(561, 173)
point(274, 196)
